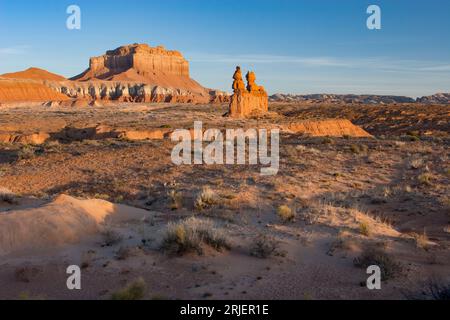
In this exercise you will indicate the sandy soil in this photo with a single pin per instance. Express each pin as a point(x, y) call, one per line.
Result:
point(348, 196)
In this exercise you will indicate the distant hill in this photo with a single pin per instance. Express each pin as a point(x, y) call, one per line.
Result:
point(440, 98)
point(34, 74)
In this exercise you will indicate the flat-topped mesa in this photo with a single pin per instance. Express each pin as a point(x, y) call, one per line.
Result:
point(250, 100)
point(144, 60)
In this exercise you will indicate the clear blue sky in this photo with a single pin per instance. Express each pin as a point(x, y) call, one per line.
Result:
point(294, 46)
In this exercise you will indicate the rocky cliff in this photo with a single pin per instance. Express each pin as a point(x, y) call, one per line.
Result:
point(142, 63)
point(127, 91)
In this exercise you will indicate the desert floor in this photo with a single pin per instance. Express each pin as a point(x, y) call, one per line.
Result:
point(353, 202)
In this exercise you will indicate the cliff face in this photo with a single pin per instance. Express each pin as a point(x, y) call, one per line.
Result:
point(137, 62)
point(127, 92)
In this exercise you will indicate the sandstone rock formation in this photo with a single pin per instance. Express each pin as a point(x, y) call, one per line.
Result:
point(247, 101)
point(133, 73)
point(330, 127)
point(144, 64)
point(27, 90)
point(128, 92)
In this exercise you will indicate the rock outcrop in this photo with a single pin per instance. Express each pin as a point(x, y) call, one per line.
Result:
point(143, 64)
point(331, 127)
point(338, 98)
point(247, 101)
point(438, 98)
point(125, 91)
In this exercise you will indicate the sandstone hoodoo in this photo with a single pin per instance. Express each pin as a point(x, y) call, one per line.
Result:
point(250, 100)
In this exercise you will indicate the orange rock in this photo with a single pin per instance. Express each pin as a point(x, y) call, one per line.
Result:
point(238, 83)
point(329, 127)
point(246, 102)
point(27, 90)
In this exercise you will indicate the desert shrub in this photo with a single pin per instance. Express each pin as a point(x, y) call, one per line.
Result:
point(425, 179)
point(357, 149)
point(7, 196)
point(175, 200)
point(415, 163)
point(205, 199)
point(437, 291)
point(264, 246)
point(26, 152)
point(26, 274)
point(327, 140)
point(421, 240)
point(111, 237)
point(52, 146)
point(364, 229)
point(189, 235)
point(134, 291)
point(285, 213)
point(123, 253)
point(376, 256)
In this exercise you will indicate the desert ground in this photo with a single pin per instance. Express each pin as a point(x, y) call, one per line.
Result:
point(142, 227)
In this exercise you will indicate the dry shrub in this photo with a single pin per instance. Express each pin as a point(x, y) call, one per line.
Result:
point(134, 291)
point(26, 274)
point(7, 196)
point(264, 246)
point(378, 257)
point(205, 199)
point(285, 213)
point(364, 229)
point(175, 200)
point(421, 240)
point(111, 237)
point(191, 234)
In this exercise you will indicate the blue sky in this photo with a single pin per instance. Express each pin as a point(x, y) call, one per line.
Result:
point(294, 46)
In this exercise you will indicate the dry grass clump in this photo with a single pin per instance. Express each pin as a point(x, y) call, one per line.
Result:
point(7, 196)
point(134, 291)
point(425, 179)
point(175, 200)
point(26, 274)
point(344, 242)
point(205, 199)
point(264, 246)
point(376, 256)
point(26, 152)
point(285, 213)
point(421, 240)
point(111, 237)
point(438, 291)
point(364, 229)
point(358, 148)
point(415, 163)
point(191, 234)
